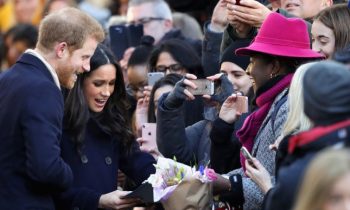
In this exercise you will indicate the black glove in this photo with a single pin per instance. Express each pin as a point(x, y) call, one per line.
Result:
point(177, 96)
point(226, 89)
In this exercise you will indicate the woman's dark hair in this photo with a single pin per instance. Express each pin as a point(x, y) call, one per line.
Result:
point(170, 79)
point(113, 119)
point(24, 32)
point(142, 52)
point(182, 52)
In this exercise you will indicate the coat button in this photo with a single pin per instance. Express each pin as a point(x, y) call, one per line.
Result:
point(108, 160)
point(84, 159)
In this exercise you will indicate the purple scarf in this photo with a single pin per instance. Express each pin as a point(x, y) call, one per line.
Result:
point(253, 122)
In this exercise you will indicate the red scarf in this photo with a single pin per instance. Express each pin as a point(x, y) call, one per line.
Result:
point(314, 134)
point(254, 121)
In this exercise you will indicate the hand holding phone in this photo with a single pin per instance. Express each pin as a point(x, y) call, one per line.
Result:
point(247, 155)
point(204, 87)
point(242, 104)
point(149, 137)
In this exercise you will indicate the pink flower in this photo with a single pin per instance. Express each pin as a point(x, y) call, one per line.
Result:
point(210, 173)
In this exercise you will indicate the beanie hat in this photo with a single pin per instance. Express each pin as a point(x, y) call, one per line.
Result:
point(230, 56)
point(327, 92)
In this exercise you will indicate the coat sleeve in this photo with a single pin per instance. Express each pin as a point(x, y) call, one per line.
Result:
point(136, 164)
point(211, 51)
point(173, 139)
point(41, 121)
point(77, 198)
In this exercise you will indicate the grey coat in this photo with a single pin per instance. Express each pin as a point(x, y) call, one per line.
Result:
point(266, 135)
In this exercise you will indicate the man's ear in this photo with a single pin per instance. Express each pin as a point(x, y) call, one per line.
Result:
point(328, 3)
point(168, 24)
point(61, 49)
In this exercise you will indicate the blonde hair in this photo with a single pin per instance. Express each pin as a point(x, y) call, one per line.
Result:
point(296, 118)
point(323, 172)
point(68, 25)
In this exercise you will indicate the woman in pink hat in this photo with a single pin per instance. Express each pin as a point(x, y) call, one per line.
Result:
point(279, 48)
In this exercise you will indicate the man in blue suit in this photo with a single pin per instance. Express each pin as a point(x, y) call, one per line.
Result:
point(31, 110)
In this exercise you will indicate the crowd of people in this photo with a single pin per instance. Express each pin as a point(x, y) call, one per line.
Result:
point(72, 115)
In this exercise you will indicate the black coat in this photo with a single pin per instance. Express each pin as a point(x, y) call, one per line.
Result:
point(292, 169)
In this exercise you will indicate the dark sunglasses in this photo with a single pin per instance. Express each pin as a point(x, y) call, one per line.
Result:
point(172, 68)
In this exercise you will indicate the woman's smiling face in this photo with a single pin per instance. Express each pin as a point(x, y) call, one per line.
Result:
point(99, 86)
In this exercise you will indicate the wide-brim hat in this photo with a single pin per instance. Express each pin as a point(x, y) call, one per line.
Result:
point(281, 36)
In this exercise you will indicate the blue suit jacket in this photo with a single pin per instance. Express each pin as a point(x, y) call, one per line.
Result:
point(31, 112)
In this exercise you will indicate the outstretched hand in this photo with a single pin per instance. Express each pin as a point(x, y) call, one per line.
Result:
point(228, 111)
point(226, 88)
point(250, 12)
point(179, 94)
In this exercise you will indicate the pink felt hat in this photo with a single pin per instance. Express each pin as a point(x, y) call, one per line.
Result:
point(281, 36)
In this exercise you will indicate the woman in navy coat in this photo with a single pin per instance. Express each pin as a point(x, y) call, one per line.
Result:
point(97, 139)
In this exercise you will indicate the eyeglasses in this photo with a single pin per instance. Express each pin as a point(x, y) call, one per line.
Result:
point(145, 20)
point(172, 68)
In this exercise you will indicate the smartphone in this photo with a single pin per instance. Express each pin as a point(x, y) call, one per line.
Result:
point(204, 87)
point(149, 135)
point(246, 153)
point(124, 36)
point(153, 77)
point(242, 104)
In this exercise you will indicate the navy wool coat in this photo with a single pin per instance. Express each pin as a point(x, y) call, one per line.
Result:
point(96, 169)
point(31, 112)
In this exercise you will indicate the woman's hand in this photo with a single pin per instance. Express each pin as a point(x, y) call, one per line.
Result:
point(228, 111)
point(259, 175)
point(141, 113)
point(149, 147)
point(179, 94)
point(226, 88)
point(250, 12)
point(114, 200)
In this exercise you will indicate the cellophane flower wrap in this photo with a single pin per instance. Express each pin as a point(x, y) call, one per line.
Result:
point(179, 186)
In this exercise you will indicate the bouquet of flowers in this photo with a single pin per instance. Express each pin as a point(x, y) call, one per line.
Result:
point(179, 186)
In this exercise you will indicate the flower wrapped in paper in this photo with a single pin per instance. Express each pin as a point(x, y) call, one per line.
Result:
point(180, 187)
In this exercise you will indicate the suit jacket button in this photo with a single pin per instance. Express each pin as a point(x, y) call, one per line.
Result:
point(108, 160)
point(84, 159)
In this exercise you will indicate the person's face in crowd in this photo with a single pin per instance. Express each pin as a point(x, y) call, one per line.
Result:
point(304, 8)
point(137, 76)
point(259, 72)
point(237, 76)
point(57, 5)
point(75, 62)
point(339, 197)
point(25, 10)
point(323, 40)
point(14, 50)
point(153, 26)
point(158, 93)
point(99, 86)
point(167, 64)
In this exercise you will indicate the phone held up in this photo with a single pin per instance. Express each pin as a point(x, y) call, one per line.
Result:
point(153, 77)
point(204, 87)
point(242, 104)
point(247, 155)
point(149, 135)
